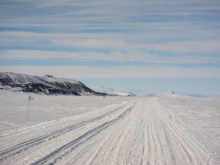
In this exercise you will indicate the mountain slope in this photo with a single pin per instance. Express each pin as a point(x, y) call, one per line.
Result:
point(46, 84)
point(111, 91)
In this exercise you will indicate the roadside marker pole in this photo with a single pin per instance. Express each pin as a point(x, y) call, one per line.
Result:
point(28, 112)
point(29, 99)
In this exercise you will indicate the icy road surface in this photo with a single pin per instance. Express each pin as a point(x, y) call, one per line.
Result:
point(137, 131)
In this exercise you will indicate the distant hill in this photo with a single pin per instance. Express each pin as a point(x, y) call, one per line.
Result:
point(146, 93)
point(47, 84)
point(50, 85)
point(128, 92)
point(111, 91)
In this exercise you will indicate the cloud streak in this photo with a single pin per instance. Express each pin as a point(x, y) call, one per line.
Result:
point(118, 56)
point(162, 32)
point(108, 41)
point(115, 72)
point(137, 16)
point(175, 46)
point(99, 43)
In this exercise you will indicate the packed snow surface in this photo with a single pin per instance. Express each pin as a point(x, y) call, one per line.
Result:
point(112, 130)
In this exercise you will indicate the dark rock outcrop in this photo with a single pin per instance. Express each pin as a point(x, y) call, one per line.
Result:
point(46, 84)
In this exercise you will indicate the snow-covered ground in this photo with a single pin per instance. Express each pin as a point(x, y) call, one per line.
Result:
point(112, 130)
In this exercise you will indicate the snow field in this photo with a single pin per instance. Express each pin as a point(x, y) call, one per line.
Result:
point(14, 107)
point(111, 131)
point(200, 117)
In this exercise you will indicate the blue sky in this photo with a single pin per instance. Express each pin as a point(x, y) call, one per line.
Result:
point(158, 45)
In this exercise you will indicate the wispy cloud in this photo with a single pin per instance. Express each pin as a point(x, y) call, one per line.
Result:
point(135, 56)
point(175, 46)
point(111, 41)
point(145, 17)
point(115, 72)
point(100, 43)
point(160, 32)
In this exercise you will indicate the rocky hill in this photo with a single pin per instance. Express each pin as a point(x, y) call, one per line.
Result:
point(46, 84)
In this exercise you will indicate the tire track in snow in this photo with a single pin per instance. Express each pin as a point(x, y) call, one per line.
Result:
point(169, 146)
point(189, 146)
point(69, 147)
point(141, 133)
point(180, 143)
point(109, 134)
point(21, 147)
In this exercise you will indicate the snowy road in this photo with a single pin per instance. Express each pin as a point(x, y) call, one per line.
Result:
point(137, 132)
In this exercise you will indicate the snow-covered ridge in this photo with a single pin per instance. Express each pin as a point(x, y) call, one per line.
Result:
point(140, 93)
point(146, 93)
point(46, 84)
point(17, 78)
point(111, 91)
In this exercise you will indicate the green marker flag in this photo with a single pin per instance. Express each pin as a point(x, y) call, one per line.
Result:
point(31, 98)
